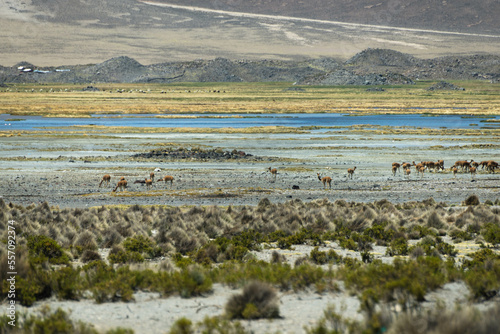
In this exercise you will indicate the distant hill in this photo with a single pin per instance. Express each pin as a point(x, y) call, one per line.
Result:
point(369, 67)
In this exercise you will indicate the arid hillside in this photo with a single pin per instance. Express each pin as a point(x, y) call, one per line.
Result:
point(463, 16)
point(50, 33)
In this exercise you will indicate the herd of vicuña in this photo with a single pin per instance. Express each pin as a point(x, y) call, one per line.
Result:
point(464, 166)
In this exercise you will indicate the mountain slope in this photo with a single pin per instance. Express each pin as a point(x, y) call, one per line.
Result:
point(458, 15)
point(73, 32)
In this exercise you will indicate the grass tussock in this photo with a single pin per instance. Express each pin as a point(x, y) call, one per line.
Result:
point(257, 301)
point(59, 249)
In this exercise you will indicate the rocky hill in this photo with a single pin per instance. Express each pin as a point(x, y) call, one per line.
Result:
point(369, 67)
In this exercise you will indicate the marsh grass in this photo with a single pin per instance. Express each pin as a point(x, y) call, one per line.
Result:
point(252, 98)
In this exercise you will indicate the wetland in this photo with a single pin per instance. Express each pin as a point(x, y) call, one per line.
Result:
point(219, 147)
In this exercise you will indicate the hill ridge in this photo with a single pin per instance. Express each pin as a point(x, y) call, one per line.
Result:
point(368, 67)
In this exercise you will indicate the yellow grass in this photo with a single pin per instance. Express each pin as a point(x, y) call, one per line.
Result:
point(70, 101)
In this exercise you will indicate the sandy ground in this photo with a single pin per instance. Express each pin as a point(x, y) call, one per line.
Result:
point(298, 311)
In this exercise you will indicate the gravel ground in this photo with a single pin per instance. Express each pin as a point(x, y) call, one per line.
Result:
point(234, 184)
point(70, 177)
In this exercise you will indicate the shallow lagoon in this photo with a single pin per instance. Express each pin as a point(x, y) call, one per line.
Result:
point(247, 120)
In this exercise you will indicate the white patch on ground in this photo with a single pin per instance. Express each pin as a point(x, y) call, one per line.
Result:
point(288, 34)
point(413, 45)
point(371, 27)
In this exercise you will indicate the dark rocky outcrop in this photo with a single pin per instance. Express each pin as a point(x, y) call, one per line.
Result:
point(369, 67)
point(181, 153)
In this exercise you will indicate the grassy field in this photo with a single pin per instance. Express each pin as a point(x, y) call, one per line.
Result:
point(479, 98)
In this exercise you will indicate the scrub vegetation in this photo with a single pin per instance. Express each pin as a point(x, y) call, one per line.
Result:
point(185, 250)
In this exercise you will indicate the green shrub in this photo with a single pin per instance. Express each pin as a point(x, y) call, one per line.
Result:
point(484, 281)
point(55, 322)
point(432, 245)
point(348, 243)
point(182, 261)
point(43, 248)
point(446, 249)
point(112, 290)
point(366, 257)
point(182, 326)
point(67, 283)
point(192, 282)
point(139, 244)
point(320, 257)
point(421, 231)
point(379, 233)
point(122, 256)
point(491, 233)
point(398, 246)
point(89, 256)
point(219, 325)
point(459, 235)
point(35, 285)
point(408, 279)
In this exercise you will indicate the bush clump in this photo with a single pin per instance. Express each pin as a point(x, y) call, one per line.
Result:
point(258, 300)
point(43, 248)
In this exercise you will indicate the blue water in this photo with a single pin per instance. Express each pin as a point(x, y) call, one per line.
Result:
point(245, 120)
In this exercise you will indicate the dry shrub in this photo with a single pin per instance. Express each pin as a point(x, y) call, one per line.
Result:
point(277, 257)
point(124, 230)
point(3, 206)
point(264, 205)
point(183, 242)
point(438, 321)
point(167, 265)
point(54, 232)
point(435, 221)
point(88, 220)
point(258, 300)
point(110, 238)
point(472, 200)
point(70, 233)
point(417, 252)
point(429, 202)
point(195, 210)
point(86, 241)
point(89, 256)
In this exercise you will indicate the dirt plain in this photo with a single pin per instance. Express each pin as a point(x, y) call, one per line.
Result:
point(66, 172)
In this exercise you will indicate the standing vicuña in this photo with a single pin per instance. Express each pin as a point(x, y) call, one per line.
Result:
point(167, 178)
point(350, 172)
point(325, 180)
point(273, 171)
